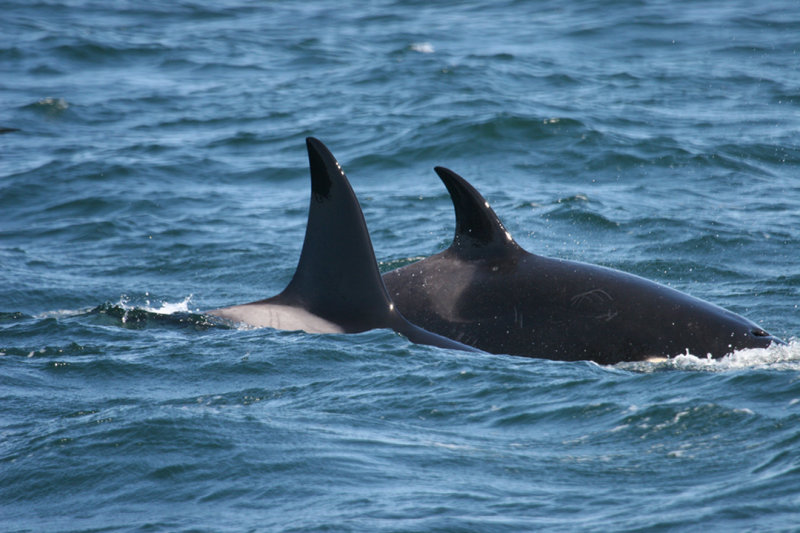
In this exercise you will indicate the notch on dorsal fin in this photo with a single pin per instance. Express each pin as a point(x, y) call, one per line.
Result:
point(337, 277)
point(479, 233)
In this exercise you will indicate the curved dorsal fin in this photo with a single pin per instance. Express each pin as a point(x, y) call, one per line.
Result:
point(337, 287)
point(479, 233)
point(337, 276)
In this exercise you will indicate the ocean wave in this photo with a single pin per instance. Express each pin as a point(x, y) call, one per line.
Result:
point(71, 350)
point(50, 106)
point(96, 53)
point(162, 314)
point(12, 316)
point(775, 357)
point(654, 137)
point(575, 210)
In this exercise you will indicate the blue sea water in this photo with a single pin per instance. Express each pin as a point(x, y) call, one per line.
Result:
point(153, 166)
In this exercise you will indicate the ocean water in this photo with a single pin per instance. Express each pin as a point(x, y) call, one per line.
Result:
point(152, 165)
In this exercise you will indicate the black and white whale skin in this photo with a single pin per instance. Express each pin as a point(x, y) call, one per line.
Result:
point(337, 287)
point(488, 292)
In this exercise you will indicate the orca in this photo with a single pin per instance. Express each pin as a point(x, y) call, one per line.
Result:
point(337, 287)
point(488, 292)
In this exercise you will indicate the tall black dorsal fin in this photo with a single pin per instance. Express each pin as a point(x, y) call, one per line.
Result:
point(337, 287)
point(479, 233)
point(337, 277)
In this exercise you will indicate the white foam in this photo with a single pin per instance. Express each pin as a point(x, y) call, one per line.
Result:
point(168, 308)
point(57, 104)
point(422, 48)
point(160, 308)
point(786, 357)
point(62, 313)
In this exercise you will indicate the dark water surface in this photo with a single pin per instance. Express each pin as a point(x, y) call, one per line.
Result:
point(158, 169)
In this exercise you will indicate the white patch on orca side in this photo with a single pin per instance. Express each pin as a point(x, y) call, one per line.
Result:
point(277, 316)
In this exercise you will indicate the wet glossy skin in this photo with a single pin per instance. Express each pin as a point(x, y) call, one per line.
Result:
point(486, 291)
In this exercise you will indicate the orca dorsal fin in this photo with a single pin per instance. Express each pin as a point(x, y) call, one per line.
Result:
point(337, 276)
point(479, 233)
point(337, 287)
